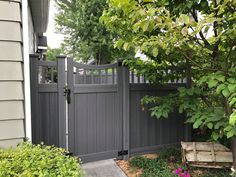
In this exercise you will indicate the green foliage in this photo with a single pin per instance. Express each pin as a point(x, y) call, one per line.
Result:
point(152, 168)
point(53, 53)
point(85, 37)
point(163, 167)
point(192, 39)
point(29, 160)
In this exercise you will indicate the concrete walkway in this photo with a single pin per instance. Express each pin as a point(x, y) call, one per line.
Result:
point(104, 168)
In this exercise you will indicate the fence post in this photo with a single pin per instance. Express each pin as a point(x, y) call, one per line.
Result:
point(71, 119)
point(61, 100)
point(35, 122)
point(123, 89)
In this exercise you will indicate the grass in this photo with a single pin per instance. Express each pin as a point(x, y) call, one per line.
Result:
point(168, 160)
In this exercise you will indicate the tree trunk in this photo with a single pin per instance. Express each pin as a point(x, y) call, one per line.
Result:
point(233, 148)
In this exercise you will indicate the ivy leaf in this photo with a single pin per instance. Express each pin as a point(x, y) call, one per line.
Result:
point(220, 78)
point(210, 125)
point(220, 88)
point(197, 123)
point(226, 93)
point(232, 96)
point(232, 118)
point(212, 83)
point(218, 125)
point(228, 128)
point(232, 102)
point(230, 134)
point(215, 136)
point(232, 87)
point(165, 114)
point(231, 80)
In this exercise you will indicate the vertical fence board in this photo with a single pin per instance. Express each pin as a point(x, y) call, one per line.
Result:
point(71, 120)
point(61, 82)
point(92, 121)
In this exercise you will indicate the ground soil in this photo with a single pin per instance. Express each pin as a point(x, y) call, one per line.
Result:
point(131, 171)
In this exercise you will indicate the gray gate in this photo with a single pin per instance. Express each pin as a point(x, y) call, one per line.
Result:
point(103, 117)
point(95, 110)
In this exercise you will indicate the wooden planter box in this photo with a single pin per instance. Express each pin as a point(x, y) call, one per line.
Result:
point(206, 154)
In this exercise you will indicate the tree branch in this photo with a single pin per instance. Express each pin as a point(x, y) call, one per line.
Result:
point(196, 64)
point(194, 14)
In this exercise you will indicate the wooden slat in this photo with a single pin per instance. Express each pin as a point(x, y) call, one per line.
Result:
point(203, 146)
point(207, 157)
point(206, 154)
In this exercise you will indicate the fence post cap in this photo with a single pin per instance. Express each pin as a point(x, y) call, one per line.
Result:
point(120, 62)
point(34, 55)
point(61, 56)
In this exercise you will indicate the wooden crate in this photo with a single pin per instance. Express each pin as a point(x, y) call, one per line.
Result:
point(206, 154)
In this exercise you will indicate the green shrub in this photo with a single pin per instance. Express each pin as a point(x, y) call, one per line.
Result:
point(152, 168)
point(164, 165)
point(29, 160)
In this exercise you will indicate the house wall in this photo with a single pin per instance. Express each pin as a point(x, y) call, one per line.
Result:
point(12, 115)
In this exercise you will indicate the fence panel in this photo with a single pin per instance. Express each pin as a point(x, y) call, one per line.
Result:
point(48, 102)
point(148, 134)
point(105, 116)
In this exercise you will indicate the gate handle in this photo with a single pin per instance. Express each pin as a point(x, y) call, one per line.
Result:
point(67, 93)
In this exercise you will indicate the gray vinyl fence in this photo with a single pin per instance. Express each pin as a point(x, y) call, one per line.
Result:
point(95, 111)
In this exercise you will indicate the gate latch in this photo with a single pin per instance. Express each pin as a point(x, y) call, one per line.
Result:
point(122, 153)
point(67, 93)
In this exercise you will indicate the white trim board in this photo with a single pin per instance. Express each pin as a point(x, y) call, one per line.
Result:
point(25, 19)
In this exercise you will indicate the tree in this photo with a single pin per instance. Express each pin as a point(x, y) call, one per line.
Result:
point(86, 38)
point(195, 38)
point(53, 53)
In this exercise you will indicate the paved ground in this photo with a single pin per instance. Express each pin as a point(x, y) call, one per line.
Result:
point(104, 168)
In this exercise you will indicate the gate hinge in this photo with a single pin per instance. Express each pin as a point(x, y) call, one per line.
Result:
point(124, 152)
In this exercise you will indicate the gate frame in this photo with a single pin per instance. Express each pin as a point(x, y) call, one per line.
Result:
point(34, 79)
point(123, 91)
point(123, 97)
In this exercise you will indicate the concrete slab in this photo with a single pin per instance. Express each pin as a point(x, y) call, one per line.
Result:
point(104, 168)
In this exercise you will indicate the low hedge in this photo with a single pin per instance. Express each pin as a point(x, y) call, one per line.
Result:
point(27, 160)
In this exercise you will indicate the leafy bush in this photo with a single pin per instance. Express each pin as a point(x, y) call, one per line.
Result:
point(167, 153)
point(151, 168)
point(29, 160)
point(168, 161)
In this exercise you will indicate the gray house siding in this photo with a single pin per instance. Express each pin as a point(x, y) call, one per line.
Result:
point(12, 116)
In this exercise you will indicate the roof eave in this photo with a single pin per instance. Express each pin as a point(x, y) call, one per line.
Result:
point(40, 12)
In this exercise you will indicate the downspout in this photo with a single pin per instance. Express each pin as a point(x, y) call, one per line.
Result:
point(27, 99)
